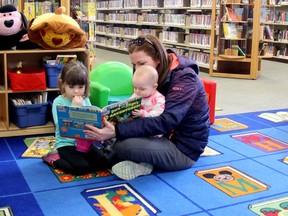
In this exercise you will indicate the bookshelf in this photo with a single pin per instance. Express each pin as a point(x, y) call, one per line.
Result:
point(235, 46)
point(9, 59)
point(182, 25)
point(276, 21)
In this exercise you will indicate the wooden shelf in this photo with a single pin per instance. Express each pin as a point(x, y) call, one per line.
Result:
point(15, 131)
point(232, 57)
point(243, 67)
point(10, 59)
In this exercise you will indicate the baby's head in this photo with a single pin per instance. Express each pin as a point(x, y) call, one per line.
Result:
point(145, 80)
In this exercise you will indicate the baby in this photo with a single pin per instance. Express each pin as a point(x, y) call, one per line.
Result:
point(145, 80)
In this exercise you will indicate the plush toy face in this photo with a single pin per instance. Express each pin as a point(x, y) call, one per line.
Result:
point(56, 31)
point(55, 40)
point(10, 23)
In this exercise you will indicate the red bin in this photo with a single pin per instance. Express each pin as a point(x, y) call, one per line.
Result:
point(29, 79)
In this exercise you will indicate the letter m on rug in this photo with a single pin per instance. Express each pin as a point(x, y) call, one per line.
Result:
point(231, 181)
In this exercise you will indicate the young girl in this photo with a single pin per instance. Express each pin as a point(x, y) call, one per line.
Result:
point(74, 86)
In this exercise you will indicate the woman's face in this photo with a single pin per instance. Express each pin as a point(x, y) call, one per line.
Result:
point(139, 58)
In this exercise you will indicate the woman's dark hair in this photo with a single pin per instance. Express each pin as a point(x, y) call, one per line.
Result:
point(74, 73)
point(151, 45)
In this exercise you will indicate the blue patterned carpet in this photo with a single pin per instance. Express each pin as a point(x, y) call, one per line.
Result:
point(244, 175)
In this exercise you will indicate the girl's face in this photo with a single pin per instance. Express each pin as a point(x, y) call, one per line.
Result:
point(73, 90)
point(139, 58)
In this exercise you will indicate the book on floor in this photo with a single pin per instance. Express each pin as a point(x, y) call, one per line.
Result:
point(39, 146)
point(72, 119)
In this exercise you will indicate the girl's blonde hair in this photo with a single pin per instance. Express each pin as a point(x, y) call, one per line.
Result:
point(74, 73)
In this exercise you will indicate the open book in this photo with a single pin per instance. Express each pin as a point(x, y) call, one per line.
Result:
point(72, 120)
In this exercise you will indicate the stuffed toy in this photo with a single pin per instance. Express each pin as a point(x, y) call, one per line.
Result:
point(56, 31)
point(13, 29)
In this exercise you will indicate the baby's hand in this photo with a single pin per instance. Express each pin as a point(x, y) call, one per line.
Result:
point(137, 113)
point(77, 101)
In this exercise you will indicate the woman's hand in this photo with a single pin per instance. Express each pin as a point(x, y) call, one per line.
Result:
point(101, 134)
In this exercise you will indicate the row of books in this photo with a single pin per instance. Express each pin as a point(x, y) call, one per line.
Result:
point(199, 39)
point(5, 2)
point(59, 59)
point(272, 50)
point(175, 19)
point(119, 4)
point(277, 16)
point(202, 58)
point(150, 18)
point(173, 36)
point(33, 9)
point(36, 98)
point(198, 20)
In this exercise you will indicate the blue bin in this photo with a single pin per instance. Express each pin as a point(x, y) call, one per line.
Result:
point(29, 115)
point(52, 74)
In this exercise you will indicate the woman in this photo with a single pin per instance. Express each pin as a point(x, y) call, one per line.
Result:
point(184, 122)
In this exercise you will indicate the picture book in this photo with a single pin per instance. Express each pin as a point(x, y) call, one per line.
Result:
point(72, 120)
point(39, 147)
point(231, 14)
point(230, 31)
point(6, 211)
point(62, 59)
point(240, 51)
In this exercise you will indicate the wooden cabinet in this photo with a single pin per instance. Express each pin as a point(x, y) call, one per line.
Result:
point(30, 59)
point(235, 42)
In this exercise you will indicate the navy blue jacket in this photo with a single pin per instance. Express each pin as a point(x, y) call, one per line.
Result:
point(185, 120)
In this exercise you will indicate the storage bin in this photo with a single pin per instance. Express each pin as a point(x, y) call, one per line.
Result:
point(28, 115)
point(29, 79)
point(52, 74)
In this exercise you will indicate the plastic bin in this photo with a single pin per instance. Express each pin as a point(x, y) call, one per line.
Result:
point(29, 79)
point(52, 74)
point(29, 115)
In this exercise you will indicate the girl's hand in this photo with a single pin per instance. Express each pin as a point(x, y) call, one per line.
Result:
point(100, 134)
point(77, 101)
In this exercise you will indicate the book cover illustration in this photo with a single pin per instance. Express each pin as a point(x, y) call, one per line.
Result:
point(119, 199)
point(277, 207)
point(261, 142)
point(231, 181)
point(225, 124)
point(6, 211)
point(62, 59)
point(72, 120)
point(39, 147)
point(232, 16)
point(275, 117)
point(230, 31)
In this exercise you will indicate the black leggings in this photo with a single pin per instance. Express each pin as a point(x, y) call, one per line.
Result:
point(79, 163)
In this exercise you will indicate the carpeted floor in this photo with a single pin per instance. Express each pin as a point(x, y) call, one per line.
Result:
point(247, 176)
